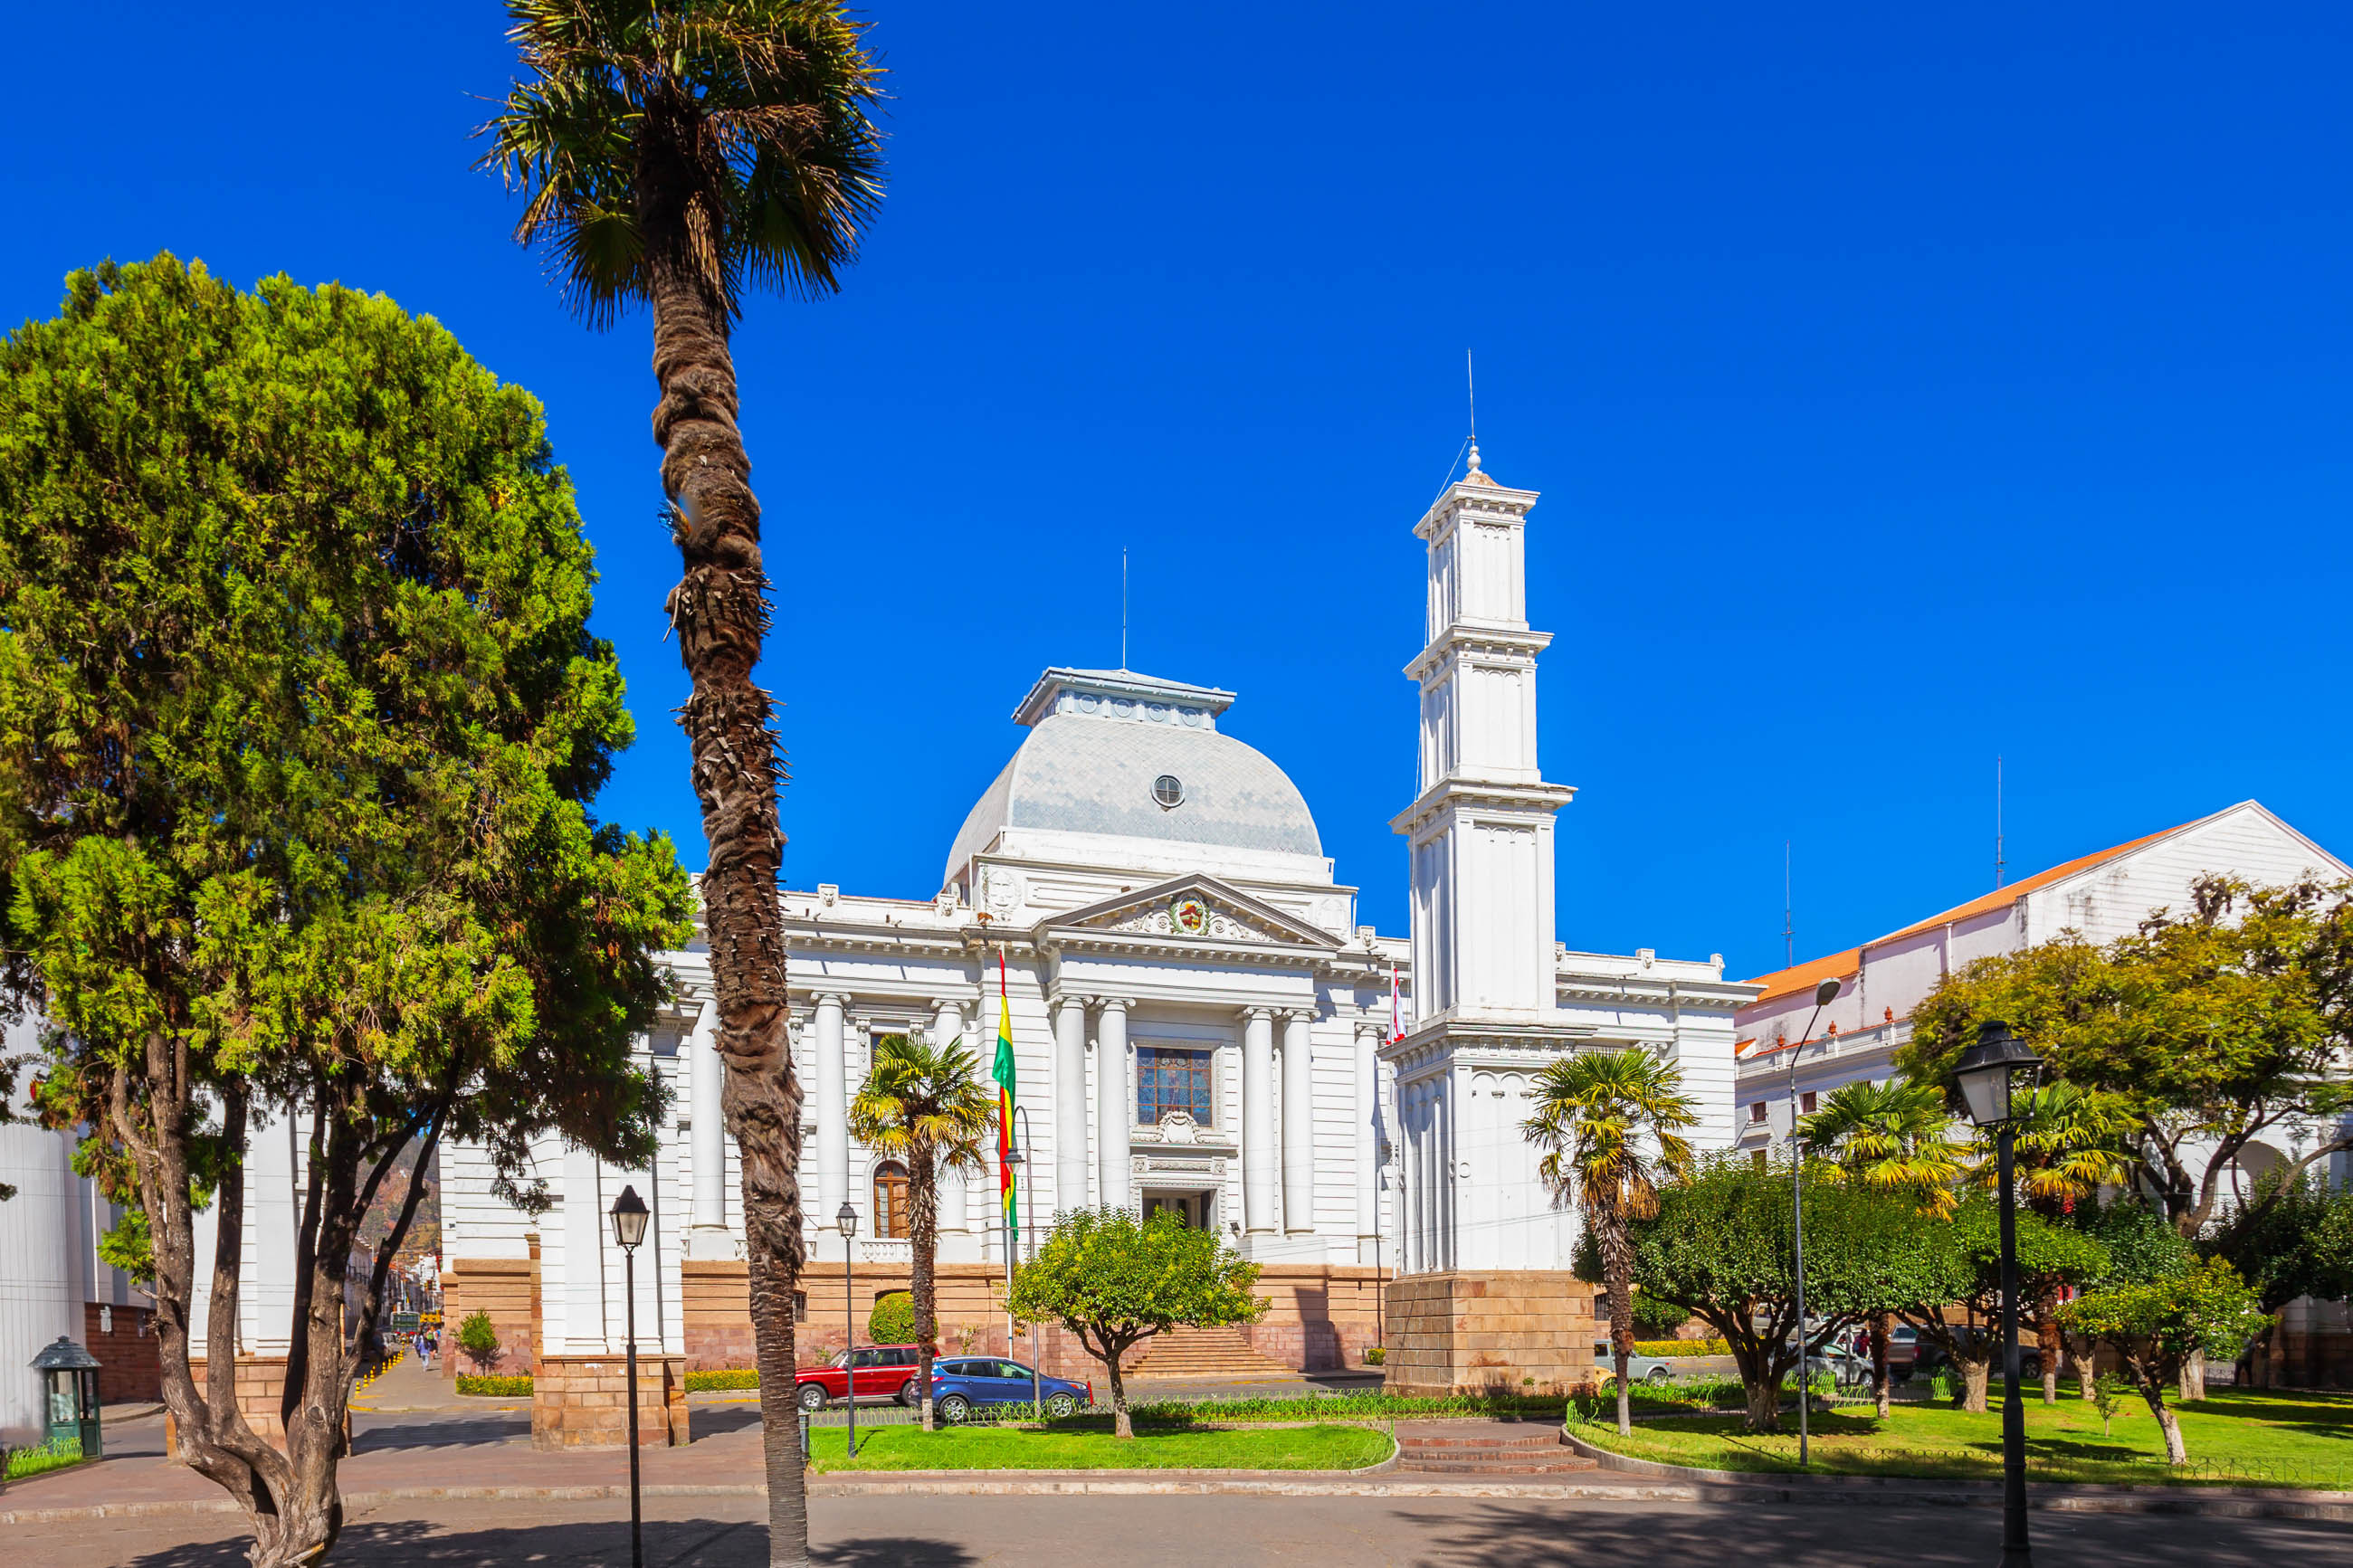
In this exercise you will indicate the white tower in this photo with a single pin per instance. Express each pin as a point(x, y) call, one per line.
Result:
point(1481, 829)
point(1485, 975)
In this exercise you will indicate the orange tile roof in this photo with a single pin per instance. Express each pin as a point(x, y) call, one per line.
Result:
point(1840, 965)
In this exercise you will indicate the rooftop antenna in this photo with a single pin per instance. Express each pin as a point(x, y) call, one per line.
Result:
point(1998, 862)
point(1789, 929)
point(1470, 389)
point(1122, 607)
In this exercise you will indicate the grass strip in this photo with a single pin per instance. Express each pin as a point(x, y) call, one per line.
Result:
point(1086, 1443)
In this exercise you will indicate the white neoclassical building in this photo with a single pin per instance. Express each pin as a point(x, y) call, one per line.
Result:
point(1200, 1023)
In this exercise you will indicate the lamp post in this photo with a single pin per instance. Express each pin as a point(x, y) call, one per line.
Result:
point(1824, 995)
point(630, 1216)
point(847, 1218)
point(1028, 1216)
point(1987, 1072)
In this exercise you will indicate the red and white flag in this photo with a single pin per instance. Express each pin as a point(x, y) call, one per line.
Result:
point(1397, 1009)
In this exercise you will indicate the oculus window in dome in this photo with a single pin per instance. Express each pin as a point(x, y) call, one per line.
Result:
point(1168, 790)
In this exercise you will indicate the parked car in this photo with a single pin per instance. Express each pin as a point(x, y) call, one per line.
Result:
point(1930, 1356)
point(960, 1385)
point(1640, 1368)
point(885, 1373)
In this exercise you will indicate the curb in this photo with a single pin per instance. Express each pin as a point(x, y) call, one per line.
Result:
point(2056, 1497)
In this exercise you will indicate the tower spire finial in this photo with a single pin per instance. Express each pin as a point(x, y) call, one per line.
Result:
point(1470, 390)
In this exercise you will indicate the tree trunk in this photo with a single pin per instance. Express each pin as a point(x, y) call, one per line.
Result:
point(1763, 1405)
point(1975, 1371)
point(2193, 1376)
point(1618, 1275)
point(2046, 1339)
point(720, 610)
point(2152, 1393)
point(1122, 1426)
point(923, 1227)
point(1883, 1327)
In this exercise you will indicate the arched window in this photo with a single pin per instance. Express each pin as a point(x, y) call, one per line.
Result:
point(891, 1200)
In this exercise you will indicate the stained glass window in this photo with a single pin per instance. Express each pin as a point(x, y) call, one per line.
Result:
point(1168, 1080)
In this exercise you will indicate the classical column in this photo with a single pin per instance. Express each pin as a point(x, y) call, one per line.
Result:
point(1298, 1128)
point(1258, 1122)
point(1365, 1117)
point(947, 1025)
point(832, 1117)
point(706, 1077)
point(1069, 1104)
point(1115, 1108)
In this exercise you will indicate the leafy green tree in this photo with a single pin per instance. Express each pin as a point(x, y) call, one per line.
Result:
point(1720, 1246)
point(924, 1105)
point(892, 1321)
point(1894, 1137)
point(479, 1338)
point(669, 153)
point(1959, 1311)
point(1599, 1116)
point(1114, 1281)
point(2297, 1241)
point(299, 720)
point(2211, 1028)
point(2156, 1328)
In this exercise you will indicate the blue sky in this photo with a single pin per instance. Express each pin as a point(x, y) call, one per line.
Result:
point(1904, 390)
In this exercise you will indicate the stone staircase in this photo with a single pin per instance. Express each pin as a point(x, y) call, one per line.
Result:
point(1484, 1448)
point(1204, 1352)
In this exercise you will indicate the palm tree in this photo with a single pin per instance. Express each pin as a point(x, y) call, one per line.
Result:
point(2067, 1145)
point(1600, 1114)
point(925, 1106)
point(668, 150)
point(1894, 1137)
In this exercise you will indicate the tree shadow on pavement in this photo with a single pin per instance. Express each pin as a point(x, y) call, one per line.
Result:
point(460, 1431)
point(1858, 1536)
point(604, 1544)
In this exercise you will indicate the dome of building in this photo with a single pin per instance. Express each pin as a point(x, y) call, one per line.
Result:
point(1124, 755)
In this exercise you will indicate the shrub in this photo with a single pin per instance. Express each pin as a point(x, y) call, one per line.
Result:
point(494, 1387)
point(1682, 1347)
point(479, 1338)
point(1655, 1319)
point(892, 1321)
point(45, 1457)
point(1374, 1355)
point(723, 1377)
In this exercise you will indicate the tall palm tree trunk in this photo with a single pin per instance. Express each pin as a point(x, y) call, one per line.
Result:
point(923, 1232)
point(720, 610)
point(1883, 1328)
point(1617, 1273)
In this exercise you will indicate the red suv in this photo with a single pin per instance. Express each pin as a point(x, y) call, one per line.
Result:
point(883, 1372)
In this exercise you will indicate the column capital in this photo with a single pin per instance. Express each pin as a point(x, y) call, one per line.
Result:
point(839, 998)
point(1258, 1010)
point(1296, 1015)
point(1113, 1003)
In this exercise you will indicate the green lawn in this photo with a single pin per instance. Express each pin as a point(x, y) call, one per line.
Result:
point(1087, 1444)
point(2234, 1438)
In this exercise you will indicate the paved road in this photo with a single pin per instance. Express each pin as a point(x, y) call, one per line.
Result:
point(1184, 1532)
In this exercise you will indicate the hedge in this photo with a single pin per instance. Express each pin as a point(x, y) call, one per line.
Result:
point(1682, 1347)
point(494, 1387)
point(726, 1377)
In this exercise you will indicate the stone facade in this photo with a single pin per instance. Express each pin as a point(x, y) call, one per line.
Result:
point(583, 1402)
point(508, 1290)
point(1491, 1331)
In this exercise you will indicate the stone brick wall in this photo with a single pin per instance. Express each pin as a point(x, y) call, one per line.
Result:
point(130, 1358)
point(507, 1288)
point(1318, 1318)
point(579, 1402)
point(1490, 1330)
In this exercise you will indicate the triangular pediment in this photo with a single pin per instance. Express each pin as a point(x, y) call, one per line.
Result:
point(1192, 908)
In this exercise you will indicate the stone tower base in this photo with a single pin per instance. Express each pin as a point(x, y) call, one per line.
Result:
point(1491, 1331)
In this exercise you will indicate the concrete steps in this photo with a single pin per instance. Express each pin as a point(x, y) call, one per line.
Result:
point(1204, 1352)
point(1501, 1451)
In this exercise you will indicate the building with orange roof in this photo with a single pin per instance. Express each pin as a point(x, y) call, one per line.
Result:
point(2103, 895)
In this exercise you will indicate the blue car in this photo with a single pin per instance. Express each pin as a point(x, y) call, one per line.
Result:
point(962, 1384)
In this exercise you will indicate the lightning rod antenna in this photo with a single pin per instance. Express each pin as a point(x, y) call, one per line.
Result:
point(1122, 607)
point(1470, 386)
point(1789, 929)
point(1998, 862)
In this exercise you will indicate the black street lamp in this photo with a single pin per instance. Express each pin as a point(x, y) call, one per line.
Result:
point(1987, 1072)
point(629, 1214)
point(847, 1218)
point(1824, 995)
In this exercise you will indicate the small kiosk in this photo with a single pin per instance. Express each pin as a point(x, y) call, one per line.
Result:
point(70, 1394)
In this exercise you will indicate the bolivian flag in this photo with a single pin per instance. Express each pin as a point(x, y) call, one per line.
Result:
point(1005, 1179)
